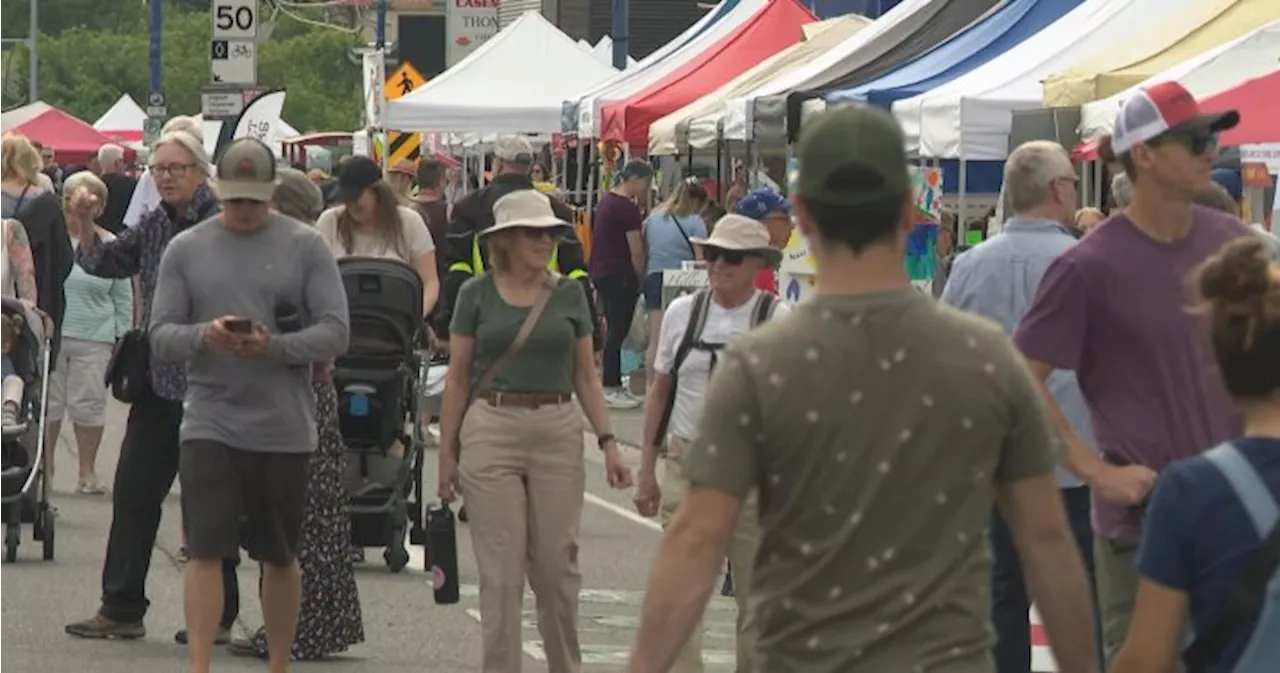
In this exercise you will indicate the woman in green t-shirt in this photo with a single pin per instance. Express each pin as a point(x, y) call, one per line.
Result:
point(511, 435)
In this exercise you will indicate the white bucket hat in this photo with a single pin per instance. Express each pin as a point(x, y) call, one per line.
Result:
point(739, 232)
point(524, 208)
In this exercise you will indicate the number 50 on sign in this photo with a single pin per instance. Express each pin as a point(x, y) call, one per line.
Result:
point(235, 19)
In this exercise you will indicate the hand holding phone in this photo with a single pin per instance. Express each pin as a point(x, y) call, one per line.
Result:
point(238, 325)
point(227, 333)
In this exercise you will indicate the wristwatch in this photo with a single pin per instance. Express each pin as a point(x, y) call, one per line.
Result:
point(604, 439)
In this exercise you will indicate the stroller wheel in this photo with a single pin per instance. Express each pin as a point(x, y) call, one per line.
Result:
point(47, 536)
point(396, 557)
point(12, 534)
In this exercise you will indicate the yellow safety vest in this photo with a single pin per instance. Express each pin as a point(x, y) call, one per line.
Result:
point(476, 266)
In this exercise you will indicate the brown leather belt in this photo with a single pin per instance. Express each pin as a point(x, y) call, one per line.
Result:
point(524, 400)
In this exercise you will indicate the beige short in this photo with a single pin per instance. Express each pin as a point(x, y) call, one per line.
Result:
point(76, 385)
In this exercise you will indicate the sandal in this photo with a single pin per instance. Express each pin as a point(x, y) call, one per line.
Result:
point(90, 487)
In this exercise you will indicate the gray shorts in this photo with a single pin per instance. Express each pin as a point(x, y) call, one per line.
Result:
point(233, 498)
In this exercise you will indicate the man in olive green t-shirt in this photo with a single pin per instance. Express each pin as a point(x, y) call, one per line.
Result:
point(880, 429)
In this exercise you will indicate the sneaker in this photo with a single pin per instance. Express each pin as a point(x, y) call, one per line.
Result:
point(222, 638)
point(98, 626)
point(617, 398)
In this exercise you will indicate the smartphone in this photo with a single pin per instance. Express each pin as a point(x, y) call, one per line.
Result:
point(238, 325)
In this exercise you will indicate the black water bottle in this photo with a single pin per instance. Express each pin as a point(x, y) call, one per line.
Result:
point(442, 552)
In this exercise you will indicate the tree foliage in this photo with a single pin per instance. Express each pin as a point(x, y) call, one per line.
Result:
point(91, 52)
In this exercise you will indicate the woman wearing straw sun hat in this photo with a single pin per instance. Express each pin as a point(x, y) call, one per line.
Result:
point(694, 328)
point(521, 348)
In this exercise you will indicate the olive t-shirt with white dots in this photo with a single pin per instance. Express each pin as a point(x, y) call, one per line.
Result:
point(877, 428)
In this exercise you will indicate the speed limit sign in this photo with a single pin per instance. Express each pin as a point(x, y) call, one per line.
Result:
point(235, 19)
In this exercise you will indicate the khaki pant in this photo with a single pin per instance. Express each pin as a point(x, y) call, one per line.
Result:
point(523, 477)
point(1117, 583)
point(742, 553)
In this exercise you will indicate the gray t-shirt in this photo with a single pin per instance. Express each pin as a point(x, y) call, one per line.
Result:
point(209, 271)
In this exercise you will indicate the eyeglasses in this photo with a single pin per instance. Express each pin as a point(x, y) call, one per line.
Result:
point(730, 257)
point(176, 170)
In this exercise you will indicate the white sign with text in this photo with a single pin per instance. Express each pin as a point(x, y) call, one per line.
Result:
point(468, 24)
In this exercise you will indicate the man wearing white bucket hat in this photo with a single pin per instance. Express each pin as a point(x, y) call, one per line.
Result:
point(694, 329)
point(521, 349)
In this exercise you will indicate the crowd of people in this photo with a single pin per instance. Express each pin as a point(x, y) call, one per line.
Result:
point(1055, 428)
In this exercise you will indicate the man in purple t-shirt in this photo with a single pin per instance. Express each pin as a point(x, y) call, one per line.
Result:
point(1114, 309)
point(616, 266)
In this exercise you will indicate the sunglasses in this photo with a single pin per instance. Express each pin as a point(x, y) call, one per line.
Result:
point(1198, 141)
point(730, 257)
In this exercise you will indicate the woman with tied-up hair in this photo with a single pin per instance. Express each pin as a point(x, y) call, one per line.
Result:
point(511, 434)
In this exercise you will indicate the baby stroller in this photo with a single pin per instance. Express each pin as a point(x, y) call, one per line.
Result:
point(25, 471)
point(378, 384)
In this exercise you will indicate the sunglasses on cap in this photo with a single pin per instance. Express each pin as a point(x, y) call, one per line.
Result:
point(730, 257)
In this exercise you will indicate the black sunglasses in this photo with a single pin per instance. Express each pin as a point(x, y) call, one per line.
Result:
point(1197, 141)
point(730, 257)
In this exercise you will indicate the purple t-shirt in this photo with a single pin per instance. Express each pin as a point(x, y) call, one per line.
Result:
point(610, 254)
point(1114, 309)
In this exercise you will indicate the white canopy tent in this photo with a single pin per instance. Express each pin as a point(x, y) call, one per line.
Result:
point(515, 82)
point(970, 117)
point(738, 111)
point(1253, 55)
point(697, 123)
point(641, 77)
point(124, 116)
point(604, 52)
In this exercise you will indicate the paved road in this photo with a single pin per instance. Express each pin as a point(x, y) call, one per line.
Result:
point(406, 631)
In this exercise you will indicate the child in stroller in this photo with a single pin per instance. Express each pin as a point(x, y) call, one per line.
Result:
point(12, 385)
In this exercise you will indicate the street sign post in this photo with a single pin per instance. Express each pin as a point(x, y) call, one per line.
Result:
point(235, 19)
point(157, 112)
point(225, 102)
point(403, 146)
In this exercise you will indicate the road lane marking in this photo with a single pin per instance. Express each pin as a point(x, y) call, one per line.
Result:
point(622, 512)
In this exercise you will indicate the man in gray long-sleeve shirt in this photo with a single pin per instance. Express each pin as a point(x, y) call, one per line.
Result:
point(249, 300)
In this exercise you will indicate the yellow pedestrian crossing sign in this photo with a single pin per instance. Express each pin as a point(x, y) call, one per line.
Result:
point(403, 146)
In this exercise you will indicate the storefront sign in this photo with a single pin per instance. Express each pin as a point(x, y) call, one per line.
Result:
point(468, 24)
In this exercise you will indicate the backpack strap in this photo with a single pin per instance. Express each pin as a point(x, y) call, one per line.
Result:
point(765, 305)
point(1245, 601)
point(692, 333)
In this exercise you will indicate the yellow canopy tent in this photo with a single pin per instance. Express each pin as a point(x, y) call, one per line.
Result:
point(1167, 43)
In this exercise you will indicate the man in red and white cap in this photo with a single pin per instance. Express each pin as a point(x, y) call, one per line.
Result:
point(1113, 309)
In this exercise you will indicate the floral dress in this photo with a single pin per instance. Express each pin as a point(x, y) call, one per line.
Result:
point(330, 620)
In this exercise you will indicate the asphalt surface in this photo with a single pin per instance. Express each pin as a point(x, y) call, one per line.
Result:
point(405, 629)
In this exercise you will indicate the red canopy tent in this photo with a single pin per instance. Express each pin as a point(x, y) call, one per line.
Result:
point(775, 27)
point(72, 140)
point(1257, 100)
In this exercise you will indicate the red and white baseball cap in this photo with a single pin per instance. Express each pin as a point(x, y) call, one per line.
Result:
point(1160, 108)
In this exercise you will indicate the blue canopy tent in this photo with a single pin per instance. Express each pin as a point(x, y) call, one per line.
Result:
point(986, 39)
point(995, 34)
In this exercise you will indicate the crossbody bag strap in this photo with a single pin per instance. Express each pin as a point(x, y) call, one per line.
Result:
point(526, 328)
point(693, 251)
point(1244, 603)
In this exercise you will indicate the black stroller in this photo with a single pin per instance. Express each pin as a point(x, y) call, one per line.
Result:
point(378, 384)
point(25, 477)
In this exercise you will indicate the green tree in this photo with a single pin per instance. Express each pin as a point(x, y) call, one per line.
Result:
point(84, 69)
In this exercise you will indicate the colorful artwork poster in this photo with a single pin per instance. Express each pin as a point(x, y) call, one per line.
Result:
point(927, 184)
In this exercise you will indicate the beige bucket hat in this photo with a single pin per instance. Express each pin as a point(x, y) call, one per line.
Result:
point(524, 208)
point(739, 232)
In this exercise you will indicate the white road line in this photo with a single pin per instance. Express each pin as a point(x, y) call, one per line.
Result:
point(531, 648)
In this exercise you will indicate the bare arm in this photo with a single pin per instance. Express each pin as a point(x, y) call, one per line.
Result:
point(635, 243)
point(430, 281)
point(1082, 462)
point(588, 387)
point(684, 572)
point(1054, 570)
point(24, 267)
point(457, 391)
point(1156, 631)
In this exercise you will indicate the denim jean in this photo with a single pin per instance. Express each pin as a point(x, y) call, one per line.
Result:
point(1010, 602)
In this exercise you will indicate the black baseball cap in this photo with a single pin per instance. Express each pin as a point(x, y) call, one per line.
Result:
point(355, 175)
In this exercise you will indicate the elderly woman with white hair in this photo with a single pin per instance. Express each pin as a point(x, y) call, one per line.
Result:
point(146, 195)
point(98, 311)
point(149, 453)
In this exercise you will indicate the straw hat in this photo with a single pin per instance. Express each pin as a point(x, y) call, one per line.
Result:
point(524, 208)
point(739, 232)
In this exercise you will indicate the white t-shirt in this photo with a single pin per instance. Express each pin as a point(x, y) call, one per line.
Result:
point(416, 235)
point(691, 386)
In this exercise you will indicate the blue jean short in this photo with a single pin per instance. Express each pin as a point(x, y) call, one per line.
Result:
point(653, 291)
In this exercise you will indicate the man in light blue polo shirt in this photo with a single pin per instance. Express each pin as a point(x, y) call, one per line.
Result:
point(997, 280)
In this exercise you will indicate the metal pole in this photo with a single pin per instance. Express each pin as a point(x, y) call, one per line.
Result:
point(157, 43)
point(380, 46)
point(381, 36)
point(621, 33)
point(33, 60)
